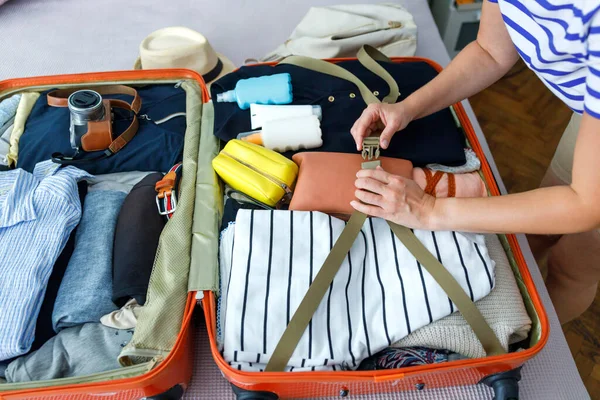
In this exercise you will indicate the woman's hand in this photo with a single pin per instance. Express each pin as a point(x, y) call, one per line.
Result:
point(389, 117)
point(393, 198)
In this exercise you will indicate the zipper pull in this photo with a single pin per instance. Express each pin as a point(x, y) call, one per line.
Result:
point(178, 84)
point(154, 362)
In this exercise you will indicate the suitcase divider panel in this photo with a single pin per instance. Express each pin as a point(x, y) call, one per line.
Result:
point(208, 210)
point(161, 316)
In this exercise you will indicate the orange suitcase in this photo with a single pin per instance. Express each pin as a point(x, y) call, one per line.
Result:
point(166, 378)
point(501, 372)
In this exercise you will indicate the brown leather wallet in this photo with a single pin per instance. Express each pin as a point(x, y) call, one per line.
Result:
point(326, 180)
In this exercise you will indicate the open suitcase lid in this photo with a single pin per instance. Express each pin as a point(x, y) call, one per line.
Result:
point(142, 349)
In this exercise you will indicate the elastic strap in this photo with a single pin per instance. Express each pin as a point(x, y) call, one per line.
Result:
point(313, 297)
point(455, 292)
point(367, 56)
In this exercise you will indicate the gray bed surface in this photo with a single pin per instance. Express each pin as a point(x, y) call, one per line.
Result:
point(46, 37)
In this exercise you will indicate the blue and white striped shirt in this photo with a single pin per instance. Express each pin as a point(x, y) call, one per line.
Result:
point(560, 41)
point(37, 214)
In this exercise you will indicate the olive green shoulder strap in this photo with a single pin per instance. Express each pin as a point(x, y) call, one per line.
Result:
point(368, 57)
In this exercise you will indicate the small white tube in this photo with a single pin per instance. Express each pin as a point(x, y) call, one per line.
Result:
point(260, 113)
point(292, 133)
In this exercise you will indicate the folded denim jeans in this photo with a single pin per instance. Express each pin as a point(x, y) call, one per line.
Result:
point(85, 294)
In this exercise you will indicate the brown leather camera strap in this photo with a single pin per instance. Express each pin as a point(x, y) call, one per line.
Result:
point(59, 98)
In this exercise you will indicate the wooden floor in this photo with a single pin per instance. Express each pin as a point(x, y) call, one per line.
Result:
point(523, 123)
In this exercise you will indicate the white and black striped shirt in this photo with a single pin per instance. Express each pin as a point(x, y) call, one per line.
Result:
point(380, 294)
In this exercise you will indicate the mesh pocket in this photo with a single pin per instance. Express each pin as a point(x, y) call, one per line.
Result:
point(160, 319)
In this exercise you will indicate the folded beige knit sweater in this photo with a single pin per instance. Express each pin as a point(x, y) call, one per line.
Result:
point(503, 309)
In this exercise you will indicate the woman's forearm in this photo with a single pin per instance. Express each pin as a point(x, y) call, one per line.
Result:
point(473, 70)
point(552, 210)
point(476, 67)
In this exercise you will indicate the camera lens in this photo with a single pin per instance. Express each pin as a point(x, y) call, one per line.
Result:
point(86, 105)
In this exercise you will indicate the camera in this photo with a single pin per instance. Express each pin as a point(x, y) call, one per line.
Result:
point(91, 121)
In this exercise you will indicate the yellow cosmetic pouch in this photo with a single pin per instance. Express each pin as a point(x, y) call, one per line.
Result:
point(259, 173)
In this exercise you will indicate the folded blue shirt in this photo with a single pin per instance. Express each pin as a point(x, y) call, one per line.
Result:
point(38, 211)
point(8, 108)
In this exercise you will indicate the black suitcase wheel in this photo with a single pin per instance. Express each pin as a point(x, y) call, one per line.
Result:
point(175, 393)
point(504, 384)
point(243, 394)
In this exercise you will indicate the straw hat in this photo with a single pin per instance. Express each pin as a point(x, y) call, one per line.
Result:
point(181, 47)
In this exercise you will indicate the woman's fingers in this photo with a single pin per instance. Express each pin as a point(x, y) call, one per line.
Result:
point(371, 210)
point(386, 136)
point(363, 125)
point(369, 197)
point(392, 197)
point(378, 174)
point(370, 184)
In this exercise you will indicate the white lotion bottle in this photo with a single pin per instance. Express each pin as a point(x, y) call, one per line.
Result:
point(260, 113)
point(283, 135)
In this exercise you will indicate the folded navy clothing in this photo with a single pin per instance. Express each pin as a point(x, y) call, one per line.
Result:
point(154, 147)
point(138, 230)
point(433, 139)
point(231, 209)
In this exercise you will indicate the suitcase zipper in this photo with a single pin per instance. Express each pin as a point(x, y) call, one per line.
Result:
point(288, 191)
point(243, 198)
point(8, 92)
point(154, 362)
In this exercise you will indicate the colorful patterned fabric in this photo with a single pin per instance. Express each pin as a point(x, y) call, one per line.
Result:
point(392, 358)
